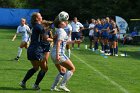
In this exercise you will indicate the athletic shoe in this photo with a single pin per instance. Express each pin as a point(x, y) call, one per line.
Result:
point(116, 55)
point(17, 58)
point(107, 54)
point(55, 89)
point(36, 87)
point(102, 51)
point(23, 85)
point(64, 88)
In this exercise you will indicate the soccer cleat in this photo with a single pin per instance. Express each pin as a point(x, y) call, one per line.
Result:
point(55, 89)
point(36, 87)
point(23, 85)
point(64, 88)
point(116, 55)
point(17, 58)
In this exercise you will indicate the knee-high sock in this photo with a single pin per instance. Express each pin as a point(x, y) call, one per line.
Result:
point(116, 50)
point(29, 74)
point(105, 48)
point(40, 76)
point(69, 52)
point(19, 52)
point(111, 51)
point(96, 45)
point(67, 76)
point(57, 80)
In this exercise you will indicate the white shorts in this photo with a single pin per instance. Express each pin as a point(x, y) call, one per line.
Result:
point(26, 39)
point(63, 58)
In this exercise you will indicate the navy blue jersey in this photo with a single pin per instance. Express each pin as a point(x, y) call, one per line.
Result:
point(99, 26)
point(35, 50)
point(48, 34)
point(106, 25)
point(37, 31)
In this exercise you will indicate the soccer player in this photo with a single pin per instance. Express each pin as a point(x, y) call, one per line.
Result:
point(99, 27)
point(91, 32)
point(68, 30)
point(114, 40)
point(105, 35)
point(76, 31)
point(24, 30)
point(35, 52)
point(61, 61)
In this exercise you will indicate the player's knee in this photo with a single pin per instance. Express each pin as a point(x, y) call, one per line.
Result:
point(73, 69)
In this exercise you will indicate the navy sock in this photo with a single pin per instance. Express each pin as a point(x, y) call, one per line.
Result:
point(105, 48)
point(40, 76)
point(116, 50)
point(29, 74)
point(111, 51)
point(96, 45)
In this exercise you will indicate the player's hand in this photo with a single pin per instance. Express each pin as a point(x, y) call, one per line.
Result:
point(58, 58)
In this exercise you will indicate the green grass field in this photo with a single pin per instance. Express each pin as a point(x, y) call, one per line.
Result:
point(94, 73)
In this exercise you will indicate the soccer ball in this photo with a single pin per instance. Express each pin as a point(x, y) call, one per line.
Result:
point(63, 16)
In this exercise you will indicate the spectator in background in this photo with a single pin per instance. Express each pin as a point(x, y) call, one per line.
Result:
point(134, 32)
point(77, 27)
point(91, 32)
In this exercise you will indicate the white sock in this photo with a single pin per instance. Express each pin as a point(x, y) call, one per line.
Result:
point(67, 76)
point(69, 52)
point(57, 80)
point(19, 51)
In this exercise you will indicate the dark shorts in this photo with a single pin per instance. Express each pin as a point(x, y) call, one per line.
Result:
point(91, 38)
point(105, 35)
point(35, 53)
point(113, 38)
point(97, 34)
point(46, 48)
point(75, 35)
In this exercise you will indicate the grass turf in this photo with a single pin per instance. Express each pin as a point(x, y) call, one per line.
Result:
point(122, 70)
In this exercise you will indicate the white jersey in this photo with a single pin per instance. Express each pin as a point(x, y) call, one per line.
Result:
point(61, 35)
point(24, 30)
point(76, 26)
point(91, 32)
point(68, 30)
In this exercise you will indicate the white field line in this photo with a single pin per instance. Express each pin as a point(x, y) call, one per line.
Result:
point(102, 75)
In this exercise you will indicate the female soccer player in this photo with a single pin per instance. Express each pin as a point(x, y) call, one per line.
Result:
point(35, 52)
point(25, 31)
point(61, 61)
point(114, 40)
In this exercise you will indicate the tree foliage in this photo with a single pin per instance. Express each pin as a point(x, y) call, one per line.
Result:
point(83, 9)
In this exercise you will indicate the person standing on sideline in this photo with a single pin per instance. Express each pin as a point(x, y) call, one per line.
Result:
point(77, 27)
point(24, 30)
point(35, 52)
point(91, 33)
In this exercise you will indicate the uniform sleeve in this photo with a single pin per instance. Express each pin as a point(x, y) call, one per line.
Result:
point(18, 29)
point(60, 36)
point(80, 25)
point(89, 26)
